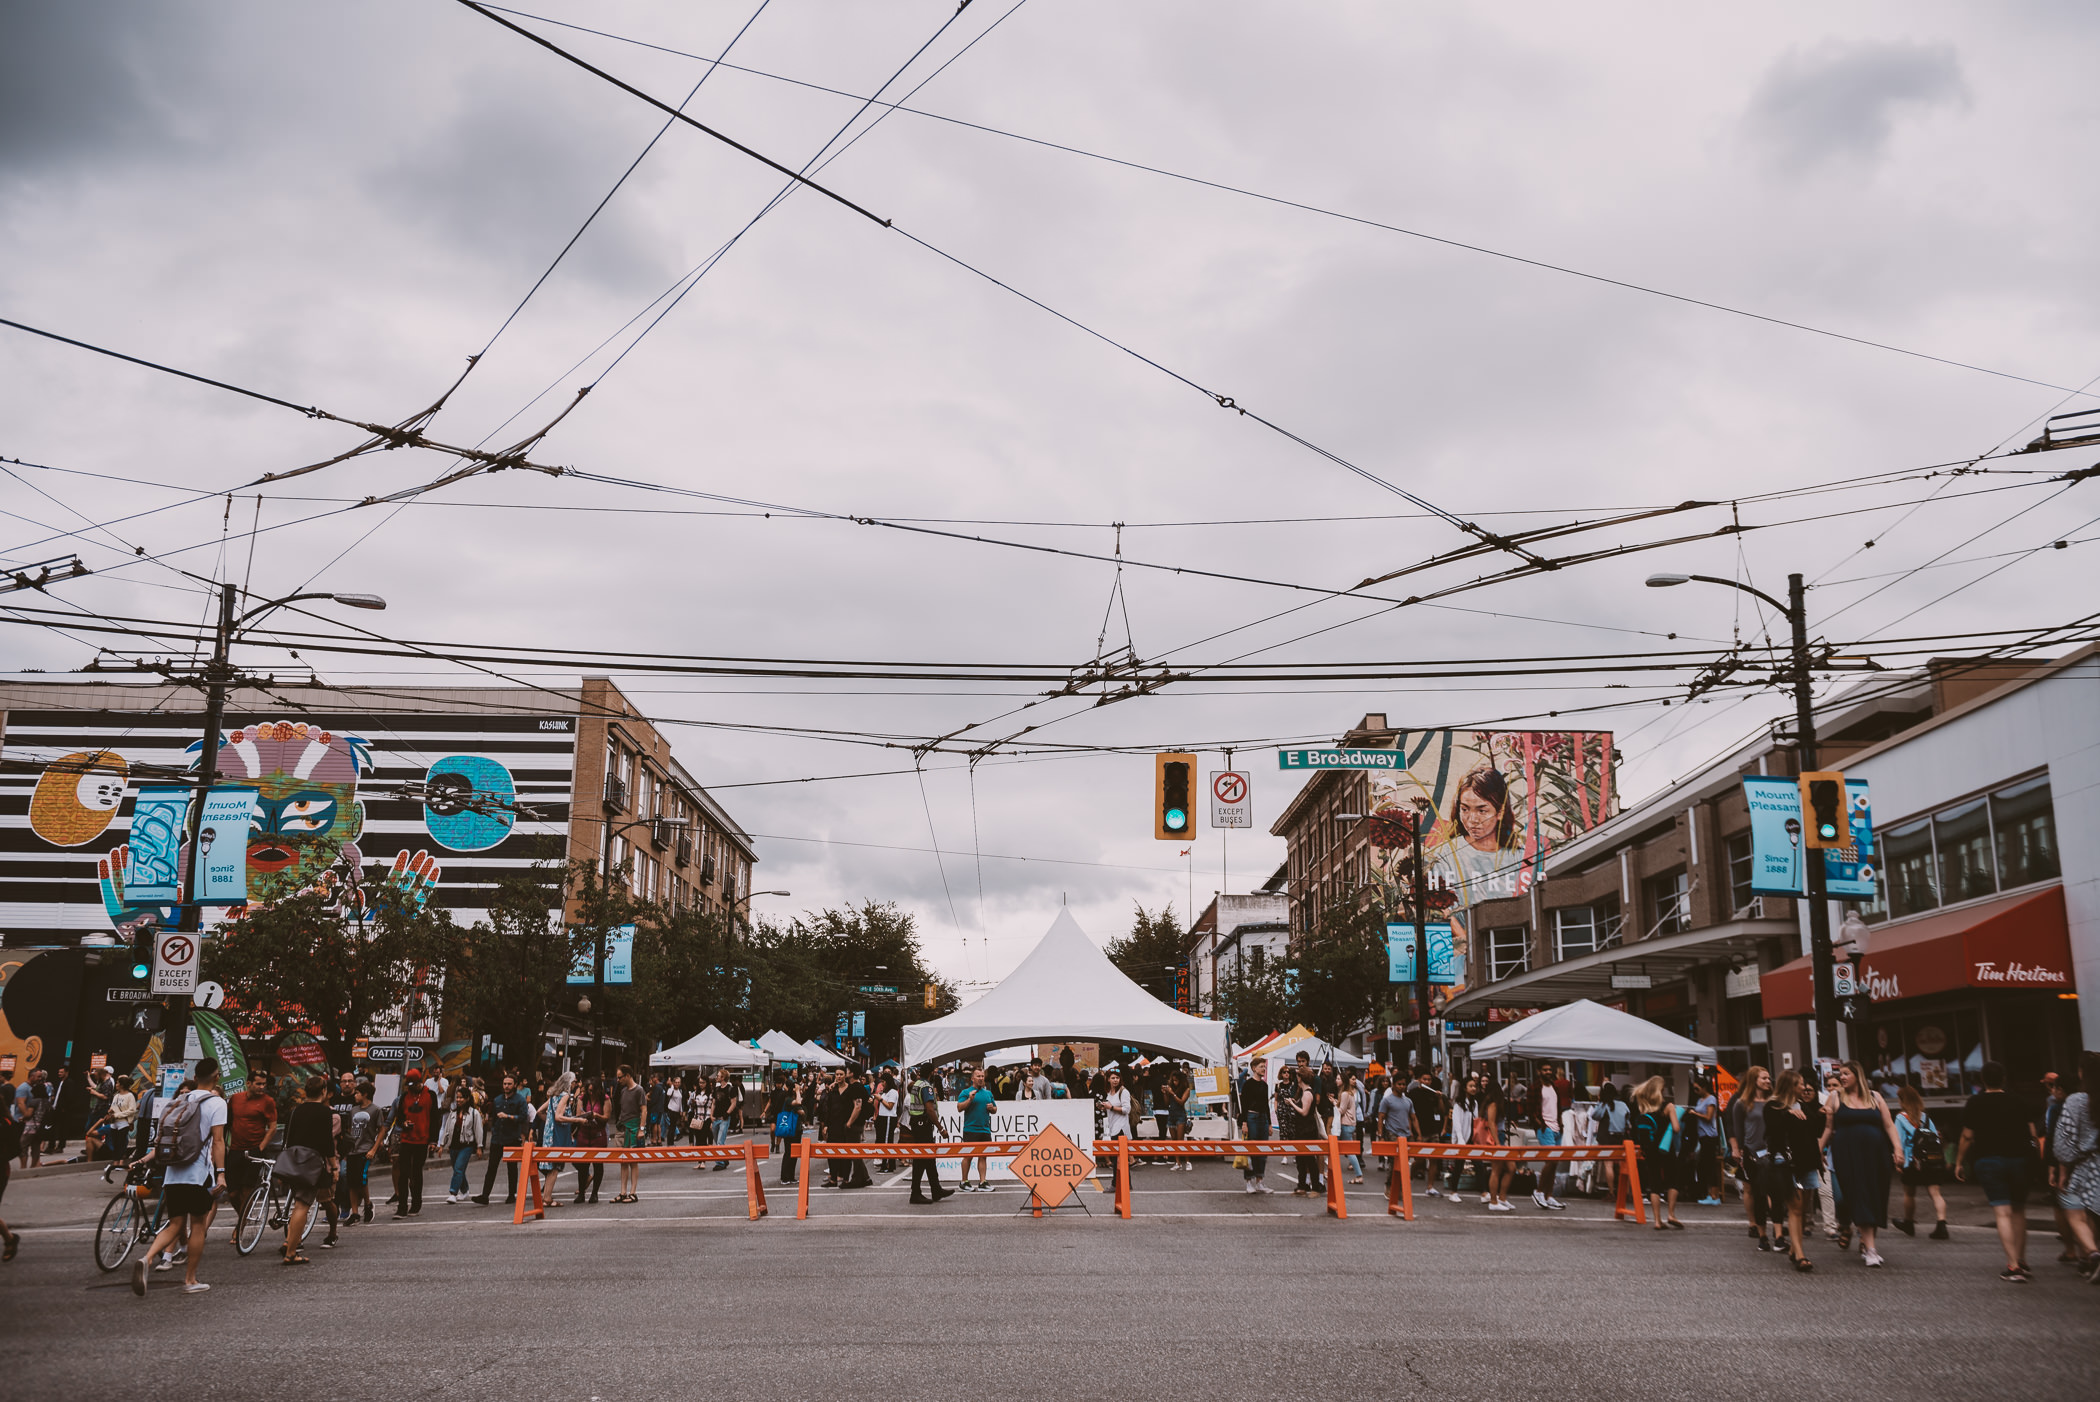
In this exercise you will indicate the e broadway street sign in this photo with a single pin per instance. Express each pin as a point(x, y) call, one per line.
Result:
point(1340, 759)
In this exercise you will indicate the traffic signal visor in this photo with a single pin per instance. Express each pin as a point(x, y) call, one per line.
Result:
point(1823, 815)
point(1173, 790)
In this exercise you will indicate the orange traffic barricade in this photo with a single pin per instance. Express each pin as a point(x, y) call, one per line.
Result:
point(531, 1158)
point(1400, 1193)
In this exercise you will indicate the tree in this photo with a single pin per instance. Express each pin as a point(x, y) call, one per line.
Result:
point(304, 964)
point(1254, 995)
point(510, 970)
point(1340, 967)
point(1151, 953)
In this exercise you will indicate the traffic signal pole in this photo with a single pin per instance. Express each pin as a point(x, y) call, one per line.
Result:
point(1822, 960)
point(1421, 891)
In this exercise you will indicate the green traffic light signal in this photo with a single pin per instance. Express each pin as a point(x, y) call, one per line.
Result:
point(139, 970)
point(1177, 819)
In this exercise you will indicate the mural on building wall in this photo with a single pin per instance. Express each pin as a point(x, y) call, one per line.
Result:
point(1499, 801)
point(345, 804)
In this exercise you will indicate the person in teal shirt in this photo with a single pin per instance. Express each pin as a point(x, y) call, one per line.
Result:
point(976, 1105)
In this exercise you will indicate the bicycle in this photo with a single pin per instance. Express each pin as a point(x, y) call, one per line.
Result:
point(127, 1220)
point(269, 1206)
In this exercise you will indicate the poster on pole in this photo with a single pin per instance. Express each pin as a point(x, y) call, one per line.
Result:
point(1400, 953)
point(1231, 798)
point(153, 848)
point(222, 846)
point(1777, 858)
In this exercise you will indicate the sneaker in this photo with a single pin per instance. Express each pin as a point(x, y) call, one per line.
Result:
point(1261, 1187)
point(987, 1187)
point(1501, 1207)
point(1251, 1190)
point(1556, 1204)
point(1871, 1258)
point(138, 1277)
point(1709, 1202)
point(1454, 1197)
point(1432, 1192)
point(452, 1198)
point(1939, 1231)
point(1539, 1201)
point(194, 1287)
point(164, 1263)
point(1906, 1226)
point(1764, 1243)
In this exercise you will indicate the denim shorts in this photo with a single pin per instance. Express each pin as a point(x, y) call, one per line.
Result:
point(2004, 1180)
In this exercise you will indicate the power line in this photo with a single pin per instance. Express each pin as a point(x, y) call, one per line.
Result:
point(1460, 244)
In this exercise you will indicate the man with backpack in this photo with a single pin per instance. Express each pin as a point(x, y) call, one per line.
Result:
point(190, 1144)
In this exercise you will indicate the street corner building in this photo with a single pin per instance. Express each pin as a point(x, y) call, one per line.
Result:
point(441, 792)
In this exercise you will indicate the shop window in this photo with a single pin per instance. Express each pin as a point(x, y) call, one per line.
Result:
point(1962, 836)
point(1509, 951)
point(1742, 901)
point(1941, 1053)
point(1669, 902)
point(1906, 862)
point(2025, 826)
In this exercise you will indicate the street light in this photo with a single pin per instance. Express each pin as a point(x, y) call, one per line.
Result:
point(1822, 959)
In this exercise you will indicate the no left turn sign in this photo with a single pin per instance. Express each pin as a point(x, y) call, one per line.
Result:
point(1231, 799)
point(175, 958)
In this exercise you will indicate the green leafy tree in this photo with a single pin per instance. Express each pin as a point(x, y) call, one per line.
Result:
point(1155, 947)
point(300, 964)
point(510, 971)
point(1255, 997)
point(1339, 969)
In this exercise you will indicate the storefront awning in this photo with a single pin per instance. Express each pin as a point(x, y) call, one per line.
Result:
point(2013, 942)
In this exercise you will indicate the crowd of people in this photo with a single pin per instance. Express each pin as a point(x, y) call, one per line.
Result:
point(1802, 1153)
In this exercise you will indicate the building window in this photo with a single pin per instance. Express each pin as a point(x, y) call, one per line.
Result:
point(1742, 865)
point(1669, 901)
point(1968, 850)
point(1509, 951)
point(1575, 932)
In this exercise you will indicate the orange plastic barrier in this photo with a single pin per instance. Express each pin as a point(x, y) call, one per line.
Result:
point(531, 1158)
point(1120, 1149)
point(1400, 1192)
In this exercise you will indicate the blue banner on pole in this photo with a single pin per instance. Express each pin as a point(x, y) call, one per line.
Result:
point(1848, 874)
point(860, 1024)
point(619, 958)
point(1400, 953)
point(222, 846)
point(1776, 853)
point(153, 850)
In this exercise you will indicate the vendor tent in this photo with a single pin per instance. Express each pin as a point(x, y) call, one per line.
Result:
point(1285, 1050)
point(814, 1055)
point(1588, 1031)
point(782, 1047)
point(1066, 990)
point(711, 1048)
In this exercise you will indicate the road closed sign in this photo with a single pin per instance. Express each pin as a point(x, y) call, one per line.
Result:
point(1052, 1166)
point(176, 954)
point(1231, 799)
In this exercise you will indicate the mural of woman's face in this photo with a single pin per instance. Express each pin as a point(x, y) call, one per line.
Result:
point(1479, 818)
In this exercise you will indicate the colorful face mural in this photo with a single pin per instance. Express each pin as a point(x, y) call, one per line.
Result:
point(77, 797)
point(469, 808)
point(307, 814)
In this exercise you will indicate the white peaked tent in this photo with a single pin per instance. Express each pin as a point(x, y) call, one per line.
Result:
point(1588, 1031)
point(1285, 1053)
point(782, 1047)
point(814, 1055)
point(1066, 990)
point(712, 1047)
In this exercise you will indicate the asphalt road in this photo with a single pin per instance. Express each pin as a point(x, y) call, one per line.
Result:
point(1205, 1292)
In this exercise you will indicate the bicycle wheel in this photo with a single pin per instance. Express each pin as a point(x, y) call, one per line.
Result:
point(255, 1215)
point(313, 1215)
point(116, 1233)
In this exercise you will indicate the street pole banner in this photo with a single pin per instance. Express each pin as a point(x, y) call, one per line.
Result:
point(1014, 1119)
point(222, 846)
point(1231, 799)
point(1400, 953)
point(1776, 865)
point(153, 849)
point(217, 1039)
point(619, 958)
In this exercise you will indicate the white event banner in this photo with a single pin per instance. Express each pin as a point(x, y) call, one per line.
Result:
point(1017, 1119)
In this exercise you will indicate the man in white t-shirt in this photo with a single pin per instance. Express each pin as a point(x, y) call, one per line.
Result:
point(191, 1189)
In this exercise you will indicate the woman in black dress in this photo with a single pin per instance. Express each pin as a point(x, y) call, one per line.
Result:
point(1793, 1138)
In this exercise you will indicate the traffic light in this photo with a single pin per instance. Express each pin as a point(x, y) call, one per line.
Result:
point(1173, 790)
point(932, 995)
point(1823, 816)
point(142, 950)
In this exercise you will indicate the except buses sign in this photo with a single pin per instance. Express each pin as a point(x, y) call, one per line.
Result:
point(1052, 1166)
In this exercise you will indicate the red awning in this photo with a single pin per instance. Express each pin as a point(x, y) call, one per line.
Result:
point(2019, 941)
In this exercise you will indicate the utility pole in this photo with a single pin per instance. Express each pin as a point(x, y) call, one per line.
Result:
point(1822, 962)
point(1420, 886)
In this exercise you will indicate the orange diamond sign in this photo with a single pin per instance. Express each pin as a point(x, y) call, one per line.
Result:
point(1052, 1166)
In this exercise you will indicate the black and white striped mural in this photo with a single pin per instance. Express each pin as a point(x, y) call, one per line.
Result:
point(327, 812)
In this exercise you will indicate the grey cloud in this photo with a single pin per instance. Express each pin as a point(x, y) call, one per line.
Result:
point(1837, 103)
point(78, 80)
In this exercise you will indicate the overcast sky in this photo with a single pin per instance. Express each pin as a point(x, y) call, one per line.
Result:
point(336, 204)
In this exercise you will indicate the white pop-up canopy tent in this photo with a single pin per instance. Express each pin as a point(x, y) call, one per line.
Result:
point(1067, 990)
point(712, 1047)
point(1283, 1051)
point(1588, 1031)
point(814, 1055)
point(782, 1047)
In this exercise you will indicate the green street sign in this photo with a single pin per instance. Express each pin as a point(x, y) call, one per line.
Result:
point(1339, 759)
point(889, 988)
